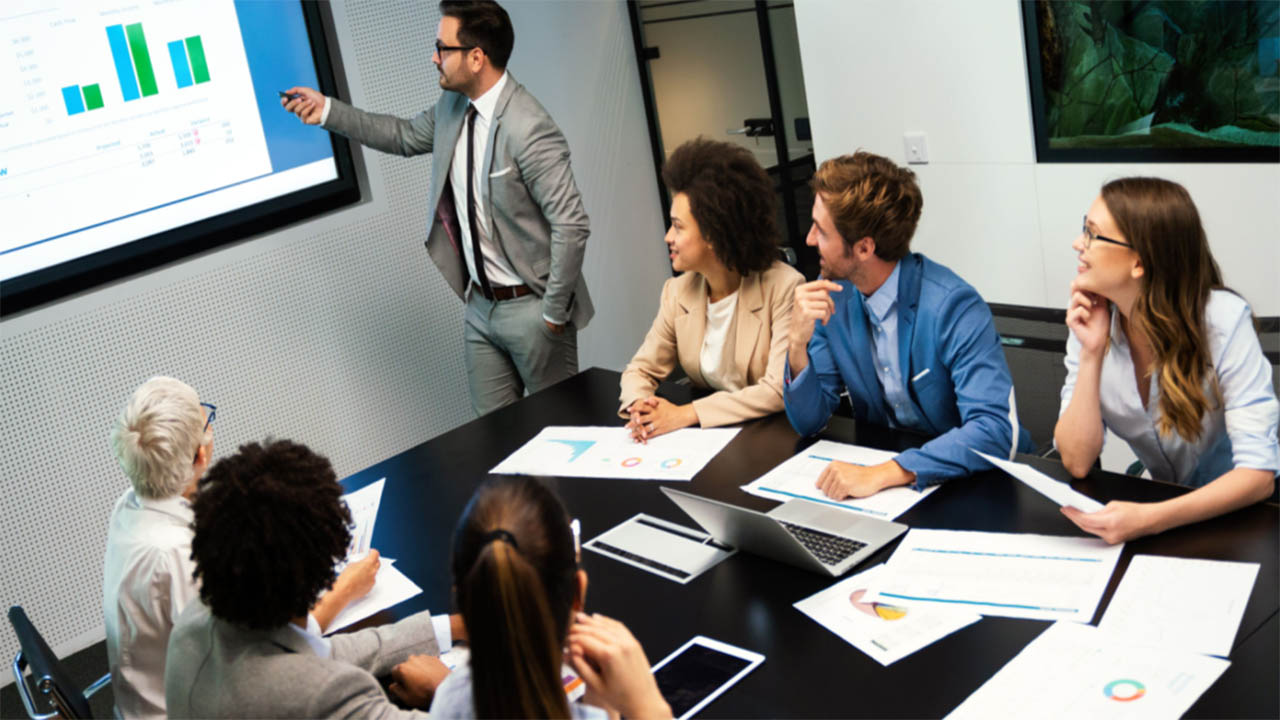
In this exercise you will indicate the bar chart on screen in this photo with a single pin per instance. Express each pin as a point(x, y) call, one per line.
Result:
point(108, 111)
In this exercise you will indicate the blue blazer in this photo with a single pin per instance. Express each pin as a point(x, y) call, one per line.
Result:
point(952, 365)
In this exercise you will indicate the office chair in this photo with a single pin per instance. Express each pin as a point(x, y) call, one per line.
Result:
point(47, 673)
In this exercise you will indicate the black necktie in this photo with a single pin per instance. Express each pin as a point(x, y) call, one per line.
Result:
point(476, 254)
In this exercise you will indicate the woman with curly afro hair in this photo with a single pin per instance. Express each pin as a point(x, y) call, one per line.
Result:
point(270, 525)
point(725, 318)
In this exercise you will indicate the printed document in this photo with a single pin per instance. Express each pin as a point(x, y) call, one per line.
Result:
point(663, 548)
point(1041, 577)
point(1056, 490)
point(797, 477)
point(886, 632)
point(1078, 671)
point(363, 504)
point(391, 587)
point(1181, 604)
point(609, 452)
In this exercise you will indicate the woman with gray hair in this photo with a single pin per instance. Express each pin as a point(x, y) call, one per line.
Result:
point(163, 441)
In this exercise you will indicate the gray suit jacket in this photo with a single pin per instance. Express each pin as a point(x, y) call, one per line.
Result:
point(217, 670)
point(534, 209)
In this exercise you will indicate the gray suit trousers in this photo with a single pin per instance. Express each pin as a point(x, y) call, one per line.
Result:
point(510, 349)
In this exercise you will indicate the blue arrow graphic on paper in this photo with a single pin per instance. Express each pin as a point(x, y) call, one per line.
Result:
point(578, 447)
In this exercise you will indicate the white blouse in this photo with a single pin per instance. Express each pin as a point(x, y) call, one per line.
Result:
point(1240, 433)
point(719, 374)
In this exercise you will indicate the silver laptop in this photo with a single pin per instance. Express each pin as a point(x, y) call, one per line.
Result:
point(799, 532)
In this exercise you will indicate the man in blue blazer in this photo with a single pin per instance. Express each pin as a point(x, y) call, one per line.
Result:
point(508, 230)
point(912, 343)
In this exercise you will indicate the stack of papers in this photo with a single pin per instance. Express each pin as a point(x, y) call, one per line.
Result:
point(885, 632)
point(1042, 577)
point(1078, 671)
point(390, 587)
point(609, 452)
point(797, 477)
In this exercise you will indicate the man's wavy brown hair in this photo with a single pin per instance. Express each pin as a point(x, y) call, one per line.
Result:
point(732, 200)
point(870, 196)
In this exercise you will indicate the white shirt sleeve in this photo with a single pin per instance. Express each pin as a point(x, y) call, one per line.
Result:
point(324, 115)
point(444, 636)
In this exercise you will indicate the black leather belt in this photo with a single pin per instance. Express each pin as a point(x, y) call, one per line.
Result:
point(503, 292)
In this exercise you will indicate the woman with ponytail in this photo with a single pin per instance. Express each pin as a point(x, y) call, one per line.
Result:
point(515, 571)
point(1166, 358)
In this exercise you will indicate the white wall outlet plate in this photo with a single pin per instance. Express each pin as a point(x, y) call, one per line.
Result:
point(916, 147)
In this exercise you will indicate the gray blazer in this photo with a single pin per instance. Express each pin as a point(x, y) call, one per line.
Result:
point(217, 670)
point(534, 209)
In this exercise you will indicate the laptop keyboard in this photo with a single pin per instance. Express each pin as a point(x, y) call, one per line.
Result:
point(830, 549)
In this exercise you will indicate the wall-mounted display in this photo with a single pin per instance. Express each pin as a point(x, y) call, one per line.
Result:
point(1154, 80)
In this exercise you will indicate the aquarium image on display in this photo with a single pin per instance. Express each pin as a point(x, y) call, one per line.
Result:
point(1154, 80)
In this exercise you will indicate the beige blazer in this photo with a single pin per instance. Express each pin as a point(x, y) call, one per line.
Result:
point(759, 334)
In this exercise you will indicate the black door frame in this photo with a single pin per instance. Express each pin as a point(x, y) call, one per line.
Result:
point(644, 54)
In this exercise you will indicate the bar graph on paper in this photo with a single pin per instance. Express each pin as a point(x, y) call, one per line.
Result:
point(122, 106)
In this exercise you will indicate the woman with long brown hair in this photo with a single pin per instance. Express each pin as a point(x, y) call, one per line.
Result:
point(521, 592)
point(1165, 357)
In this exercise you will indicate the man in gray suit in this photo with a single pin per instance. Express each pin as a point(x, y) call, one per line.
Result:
point(508, 228)
point(269, 525)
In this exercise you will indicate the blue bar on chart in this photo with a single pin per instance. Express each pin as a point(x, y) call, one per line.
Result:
point(71, 96)
point(124, 65)
point(181, 69)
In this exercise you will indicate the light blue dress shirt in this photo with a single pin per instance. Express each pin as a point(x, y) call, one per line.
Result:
point(1241, 432)
point(882, 314)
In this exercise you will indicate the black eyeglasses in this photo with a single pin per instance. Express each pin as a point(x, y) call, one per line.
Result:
point(441, 48)
point(1090, 236)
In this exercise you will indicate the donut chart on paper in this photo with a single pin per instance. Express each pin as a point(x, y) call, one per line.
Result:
point(1124, 690)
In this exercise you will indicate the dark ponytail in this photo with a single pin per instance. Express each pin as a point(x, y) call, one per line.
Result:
point(515, 572)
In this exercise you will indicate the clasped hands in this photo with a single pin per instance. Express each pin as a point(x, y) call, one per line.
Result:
point(654, 416)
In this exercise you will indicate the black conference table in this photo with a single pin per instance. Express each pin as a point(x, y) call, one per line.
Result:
point(747, 600)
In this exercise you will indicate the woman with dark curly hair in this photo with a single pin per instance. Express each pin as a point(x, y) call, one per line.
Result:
point(725, 319)
point(270, 525)
point(1164, 356)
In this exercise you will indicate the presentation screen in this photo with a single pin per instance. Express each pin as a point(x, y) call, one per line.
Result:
point(138, 132)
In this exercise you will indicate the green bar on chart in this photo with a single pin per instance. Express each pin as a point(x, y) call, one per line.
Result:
point(199, 68)
point(141, 59)
point(92, 96)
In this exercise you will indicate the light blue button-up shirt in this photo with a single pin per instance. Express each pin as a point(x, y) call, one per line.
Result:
point(882, 314)
point(1240, 432)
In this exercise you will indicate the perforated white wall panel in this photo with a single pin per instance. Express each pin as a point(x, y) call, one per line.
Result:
point(338, 332)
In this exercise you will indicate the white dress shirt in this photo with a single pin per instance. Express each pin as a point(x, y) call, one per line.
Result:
point(1240, 433)
point(454, 700)
point(496, 267)
point(146, 583)
point(714, 342)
